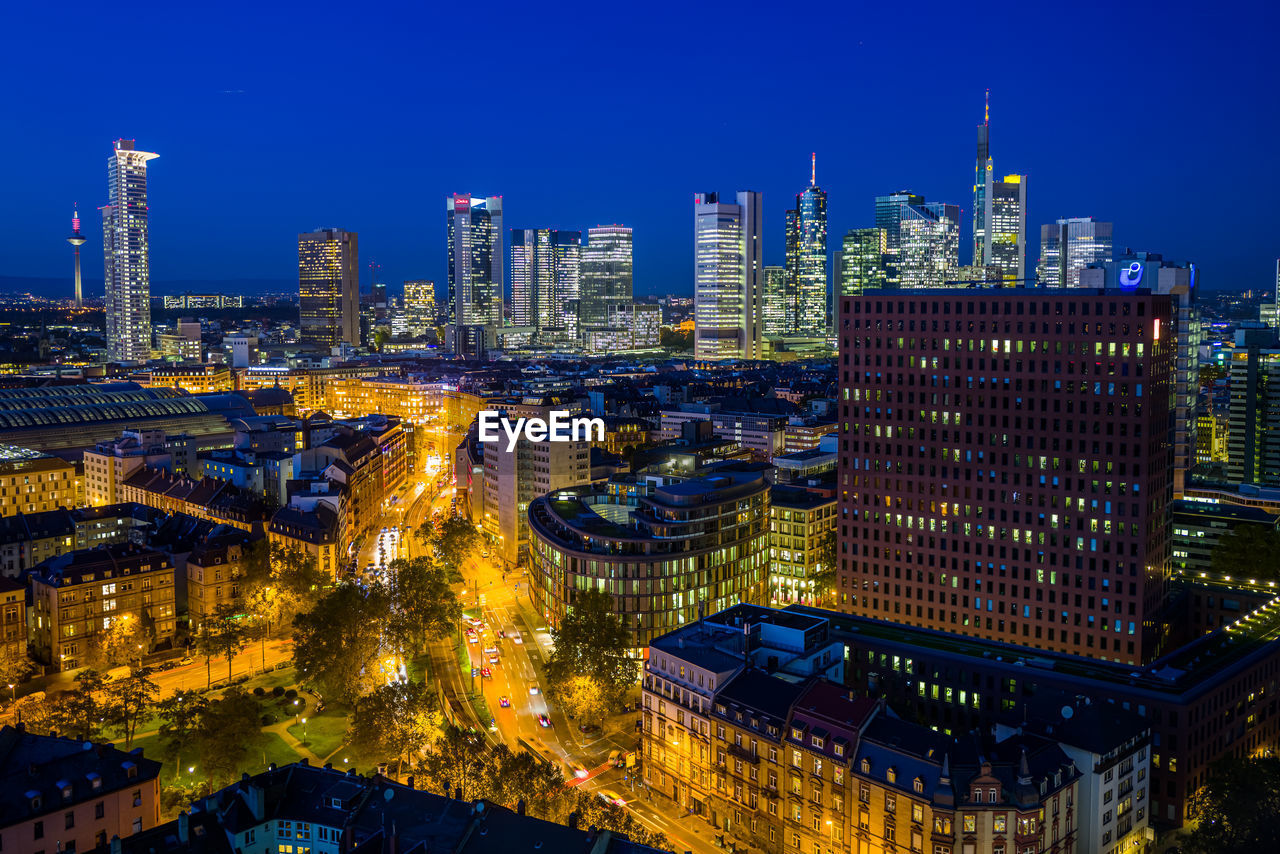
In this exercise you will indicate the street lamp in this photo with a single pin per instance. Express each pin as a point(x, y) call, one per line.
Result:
point(14, 689)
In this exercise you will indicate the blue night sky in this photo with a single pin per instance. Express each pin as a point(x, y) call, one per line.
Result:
point(1160, 117)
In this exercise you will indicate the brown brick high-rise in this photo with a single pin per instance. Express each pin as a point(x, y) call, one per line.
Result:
point(1006, 466)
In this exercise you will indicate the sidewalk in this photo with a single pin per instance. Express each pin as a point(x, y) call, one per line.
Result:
point(282, 729)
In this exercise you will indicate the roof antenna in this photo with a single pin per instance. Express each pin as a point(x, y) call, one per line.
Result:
point(986, 109)
point(813, 174)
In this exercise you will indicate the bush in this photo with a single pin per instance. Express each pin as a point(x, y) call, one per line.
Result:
point(291, 694)
point(268, 720)
point(259, 691)
point(277, 691)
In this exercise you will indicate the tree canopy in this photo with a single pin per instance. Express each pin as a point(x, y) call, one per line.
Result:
point(452, 539)
point(338, 647)
point(395, 720)
point(1237, 810)
point(1248, 551)
point(591, 642)
point(226, 734)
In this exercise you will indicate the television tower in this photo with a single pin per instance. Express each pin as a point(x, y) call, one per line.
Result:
point(77, 239)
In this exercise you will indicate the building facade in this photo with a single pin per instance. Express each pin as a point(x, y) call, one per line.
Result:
point(420, 307)
point(800, 520)
point(928, 253)
point(329, 287)
point(607, 277)
point(32, 482)
point(999, 213)
point(77, 596)
point(665, 550)
point(476, 274)
point(728, 267)
point(1012, 477)
point(126, 251)
point(1067, 246)
point(107, 465)
point(862, 263)
point(545, 266)
point(805, 296)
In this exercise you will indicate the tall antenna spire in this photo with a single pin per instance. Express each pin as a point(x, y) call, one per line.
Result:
point(813, 166)
point(75, 219)
point(986, 109)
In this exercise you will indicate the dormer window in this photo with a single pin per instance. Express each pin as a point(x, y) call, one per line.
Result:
point(891, 775)
point(866, 766)
point(918, 784)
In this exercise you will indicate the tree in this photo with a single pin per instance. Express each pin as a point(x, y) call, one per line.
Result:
point(228, 730)
point(512, 776)
point(1237, 810)
point(456, 762)
point(298, 579)
point(452, 541)
point(222, 633)
point(591, 641)
point(79, 712)
point(339, 645)
point(824, 568)
point(424, 606)
point(675, 340)
point(124, 641)
point(180, 713)
point(127, 701)
point(266, 609)
point(582, 697)
point(1248, 551)
point(395, 720)
point(15, 665)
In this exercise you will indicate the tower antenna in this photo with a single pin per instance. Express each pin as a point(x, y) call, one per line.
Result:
point(986, 109)
point(813, 166)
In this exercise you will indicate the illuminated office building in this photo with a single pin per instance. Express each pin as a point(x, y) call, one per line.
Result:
point(476, 257)
point(419, 306)
point(606, 278)
point(999, 213)
point(126, 254)
point(928, 253)
point(805, 296)
point(862, 263)
point(727, 276)
point(545, 268)
point(773, 302)
point(1010, 477)
point(329, 287)
point(1068, 246)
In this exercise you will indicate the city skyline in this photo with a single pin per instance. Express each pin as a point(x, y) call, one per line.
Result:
point(223, 133)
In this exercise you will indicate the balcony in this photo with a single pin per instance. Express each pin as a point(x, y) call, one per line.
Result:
point(743, 753)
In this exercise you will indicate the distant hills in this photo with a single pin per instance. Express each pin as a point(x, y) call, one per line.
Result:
point(62, 287)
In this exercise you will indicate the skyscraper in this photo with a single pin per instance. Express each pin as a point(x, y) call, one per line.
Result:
point(889, 217)
point(1253, 435)
point(775, 317)
point(928, 253)
point(545, 268)
point(862, 261)
point(804, 309)
point(77, 240)
point(419, 306)
point(999, 212)
point(476, 275)
point(1069, 245)
point(1057, 487)
point(727, 271)
point(606, 280)
point(329, 287)
point(126, 254)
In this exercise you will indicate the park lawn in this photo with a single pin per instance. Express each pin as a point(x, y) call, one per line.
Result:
point(325, 732)
point(277, 750)
point(286, 678)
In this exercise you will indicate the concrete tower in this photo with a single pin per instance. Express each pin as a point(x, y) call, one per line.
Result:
point(77, 240)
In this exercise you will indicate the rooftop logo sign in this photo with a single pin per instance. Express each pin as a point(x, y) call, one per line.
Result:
point(561, 427)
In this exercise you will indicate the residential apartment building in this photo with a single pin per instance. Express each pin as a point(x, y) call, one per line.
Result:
point(107, 465)
point(1005, 471)
point(13, 617)
point(77, 596)
point(800, 521)
point(193, 379)
point(62, 794)
point(34, 482)
point(214, 573)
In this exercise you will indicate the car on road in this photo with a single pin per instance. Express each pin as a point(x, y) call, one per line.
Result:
point(493, 658)
point(185, 661)
point(486, 673)
point(472, 639)
point(577, 769)
point(533, 689)
point(544, 721)
point(504, 702)
point(612, 797)
point(484, 554)
point(515, 638)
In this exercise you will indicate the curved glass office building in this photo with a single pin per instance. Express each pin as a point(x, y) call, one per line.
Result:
point(667, 549)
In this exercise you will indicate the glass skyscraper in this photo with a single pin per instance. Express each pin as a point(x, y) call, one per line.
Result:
point(329, 287)
point(774, 303)
point(999, 213)
point(126, 254)
point(606, 278)
point(419, 306)
point(727, 273)
point(862, 261)
point(928, 244)
point(476, 275)
point(1068, 246)
point(804, 308)
point(545, 264)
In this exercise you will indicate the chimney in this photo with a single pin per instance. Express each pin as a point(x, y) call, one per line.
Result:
point(573, 819)
point(457, 794)
point(520, 807)
point(409, 781)
point(116, 848)
point(184, 826)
